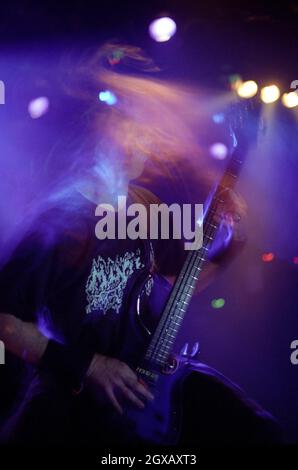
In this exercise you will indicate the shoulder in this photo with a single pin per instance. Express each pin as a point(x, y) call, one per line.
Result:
point(59, 227)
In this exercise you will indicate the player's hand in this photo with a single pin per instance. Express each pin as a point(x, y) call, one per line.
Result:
point(116, 379)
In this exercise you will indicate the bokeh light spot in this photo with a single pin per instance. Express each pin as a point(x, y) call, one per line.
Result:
point(267, 257)
point(247, 89)
point(218, 118)
point(290, 100)
point(38, 107)
point(162, 29)
point(218, 303)
point(270, 94)
point(107, 97)
point(218, 151)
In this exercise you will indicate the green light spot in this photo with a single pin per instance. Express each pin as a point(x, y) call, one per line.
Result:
point(218, 303)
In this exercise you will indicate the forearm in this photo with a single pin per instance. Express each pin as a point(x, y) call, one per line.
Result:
point(22, 339)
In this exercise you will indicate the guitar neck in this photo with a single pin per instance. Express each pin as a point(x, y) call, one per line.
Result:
point(162, 342)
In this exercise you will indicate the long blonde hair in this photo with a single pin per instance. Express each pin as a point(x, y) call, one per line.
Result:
point(153, 120)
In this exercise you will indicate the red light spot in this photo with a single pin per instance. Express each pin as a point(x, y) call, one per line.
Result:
point(295, 260)
point(113, 61)
point(267, 257)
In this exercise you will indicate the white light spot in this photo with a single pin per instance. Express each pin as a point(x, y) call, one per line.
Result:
point(290, 100)
point(219, 151)
point(162, 29)
point(38, 107)
point(270, 94)
point(247, 89)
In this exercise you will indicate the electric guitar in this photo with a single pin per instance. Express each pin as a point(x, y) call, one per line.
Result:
point(161, 421)
point(153, 322)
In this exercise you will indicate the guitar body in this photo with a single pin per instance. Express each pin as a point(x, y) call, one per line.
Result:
point(193, 403)
point(160, 422)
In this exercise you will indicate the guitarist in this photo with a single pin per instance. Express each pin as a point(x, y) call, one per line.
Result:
point(42, 287)
point(64, 294)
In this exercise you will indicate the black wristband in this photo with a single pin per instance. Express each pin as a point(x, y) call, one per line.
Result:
point(69, 363)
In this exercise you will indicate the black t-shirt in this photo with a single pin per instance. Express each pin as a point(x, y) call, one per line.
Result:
point(62, 276)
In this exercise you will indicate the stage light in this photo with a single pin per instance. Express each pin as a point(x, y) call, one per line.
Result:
point(38, 107)
point(107, 97)
point(295, 260)
point(270, 94)
point(219, 151)
point(267, 257)
point(247, 89)
point(218, 303)
point(162, 29)
point(218, 118)
point(290, 100)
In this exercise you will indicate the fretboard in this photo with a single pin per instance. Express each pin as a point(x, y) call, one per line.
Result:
point(161, 344)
